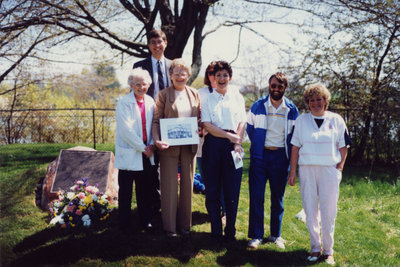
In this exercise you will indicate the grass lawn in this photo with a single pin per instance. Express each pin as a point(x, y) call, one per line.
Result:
point(367, 227)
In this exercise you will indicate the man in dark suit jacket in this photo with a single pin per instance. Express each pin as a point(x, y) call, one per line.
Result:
point(156, 64)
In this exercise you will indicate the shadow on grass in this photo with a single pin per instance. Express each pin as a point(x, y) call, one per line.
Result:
point(105, 242)
point(199, 218)
point(239, 256)
point(13, 189)
point(55, 246)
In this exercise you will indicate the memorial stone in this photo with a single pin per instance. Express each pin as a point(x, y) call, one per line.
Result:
point(77, 163)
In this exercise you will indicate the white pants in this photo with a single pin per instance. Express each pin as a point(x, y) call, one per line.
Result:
point(320, 185)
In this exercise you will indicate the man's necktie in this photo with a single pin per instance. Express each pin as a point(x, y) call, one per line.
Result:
point(160, 76)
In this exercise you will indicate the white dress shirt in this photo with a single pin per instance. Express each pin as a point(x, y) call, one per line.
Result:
point(154, 63)
point(224, 111)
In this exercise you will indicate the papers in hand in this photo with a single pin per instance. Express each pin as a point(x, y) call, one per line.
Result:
point(237, 159)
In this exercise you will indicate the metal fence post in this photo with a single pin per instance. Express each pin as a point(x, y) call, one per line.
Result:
point(40, 129)
point(102, 129)
point(94, 129)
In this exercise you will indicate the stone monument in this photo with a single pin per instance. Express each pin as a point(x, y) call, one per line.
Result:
point(77, 163)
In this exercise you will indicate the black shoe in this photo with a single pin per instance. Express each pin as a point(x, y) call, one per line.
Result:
point(230, 239)
point(217, 239)
point(184, 232)
point(148, 228)
point(171, 234)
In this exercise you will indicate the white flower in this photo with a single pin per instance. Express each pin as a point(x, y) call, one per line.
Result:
point(86, 220)
point(95, 198)
point(70, 195)
point(104, 198)
point(57, 219)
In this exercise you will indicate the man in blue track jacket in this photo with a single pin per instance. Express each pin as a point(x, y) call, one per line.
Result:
point(269, 126)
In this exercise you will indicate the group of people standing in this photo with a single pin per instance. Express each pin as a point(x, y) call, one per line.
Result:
point(280, 140)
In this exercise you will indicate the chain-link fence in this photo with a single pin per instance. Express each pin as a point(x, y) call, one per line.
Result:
point(97, 126)
point(74, 125)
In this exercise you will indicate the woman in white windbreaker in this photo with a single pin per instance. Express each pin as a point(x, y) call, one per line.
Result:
point(320, 140)
point(134, 151)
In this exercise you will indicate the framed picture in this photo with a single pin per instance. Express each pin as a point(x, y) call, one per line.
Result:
point(179, 131)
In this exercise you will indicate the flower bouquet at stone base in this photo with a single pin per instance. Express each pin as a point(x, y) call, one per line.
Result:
point(84, 205)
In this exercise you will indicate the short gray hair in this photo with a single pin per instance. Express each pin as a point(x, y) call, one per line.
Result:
point(139, 73)
point(180, 63)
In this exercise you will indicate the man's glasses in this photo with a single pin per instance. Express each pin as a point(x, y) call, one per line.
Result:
point(274, 85)
point(156, 42)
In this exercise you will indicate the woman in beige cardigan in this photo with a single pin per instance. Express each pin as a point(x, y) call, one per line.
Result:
point(178, 100)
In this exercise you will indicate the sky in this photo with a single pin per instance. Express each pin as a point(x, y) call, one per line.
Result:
point(215, 47)
point(255, 52)
point(223, 45)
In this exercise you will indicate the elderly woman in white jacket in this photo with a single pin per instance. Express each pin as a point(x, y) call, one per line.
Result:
point(134, 151)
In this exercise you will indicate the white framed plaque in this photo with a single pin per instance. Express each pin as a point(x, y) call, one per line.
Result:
point(179, 131)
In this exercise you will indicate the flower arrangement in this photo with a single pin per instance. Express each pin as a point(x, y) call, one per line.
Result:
point(82, 206)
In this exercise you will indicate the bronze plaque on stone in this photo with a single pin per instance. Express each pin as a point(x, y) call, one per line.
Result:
point(75, 165)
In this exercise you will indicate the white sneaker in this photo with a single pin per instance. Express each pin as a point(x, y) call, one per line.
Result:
point(279, 241)
point(254, 243)
point(330, 260)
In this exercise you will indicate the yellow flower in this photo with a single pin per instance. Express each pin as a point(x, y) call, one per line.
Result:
point(87, 200)
point(72, 225)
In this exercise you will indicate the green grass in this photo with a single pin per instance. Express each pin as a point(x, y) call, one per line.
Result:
point(367, 227)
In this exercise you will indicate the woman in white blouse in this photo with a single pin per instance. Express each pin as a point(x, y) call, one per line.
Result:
point(224, 118)
point(178, 100)
point(320, 141)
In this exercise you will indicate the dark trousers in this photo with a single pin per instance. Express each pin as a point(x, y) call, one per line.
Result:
point(200, 167)
point(273, 167)
point(220, 173)
point(146, 199)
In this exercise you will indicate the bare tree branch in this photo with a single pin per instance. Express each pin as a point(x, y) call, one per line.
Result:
point(238, 45)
